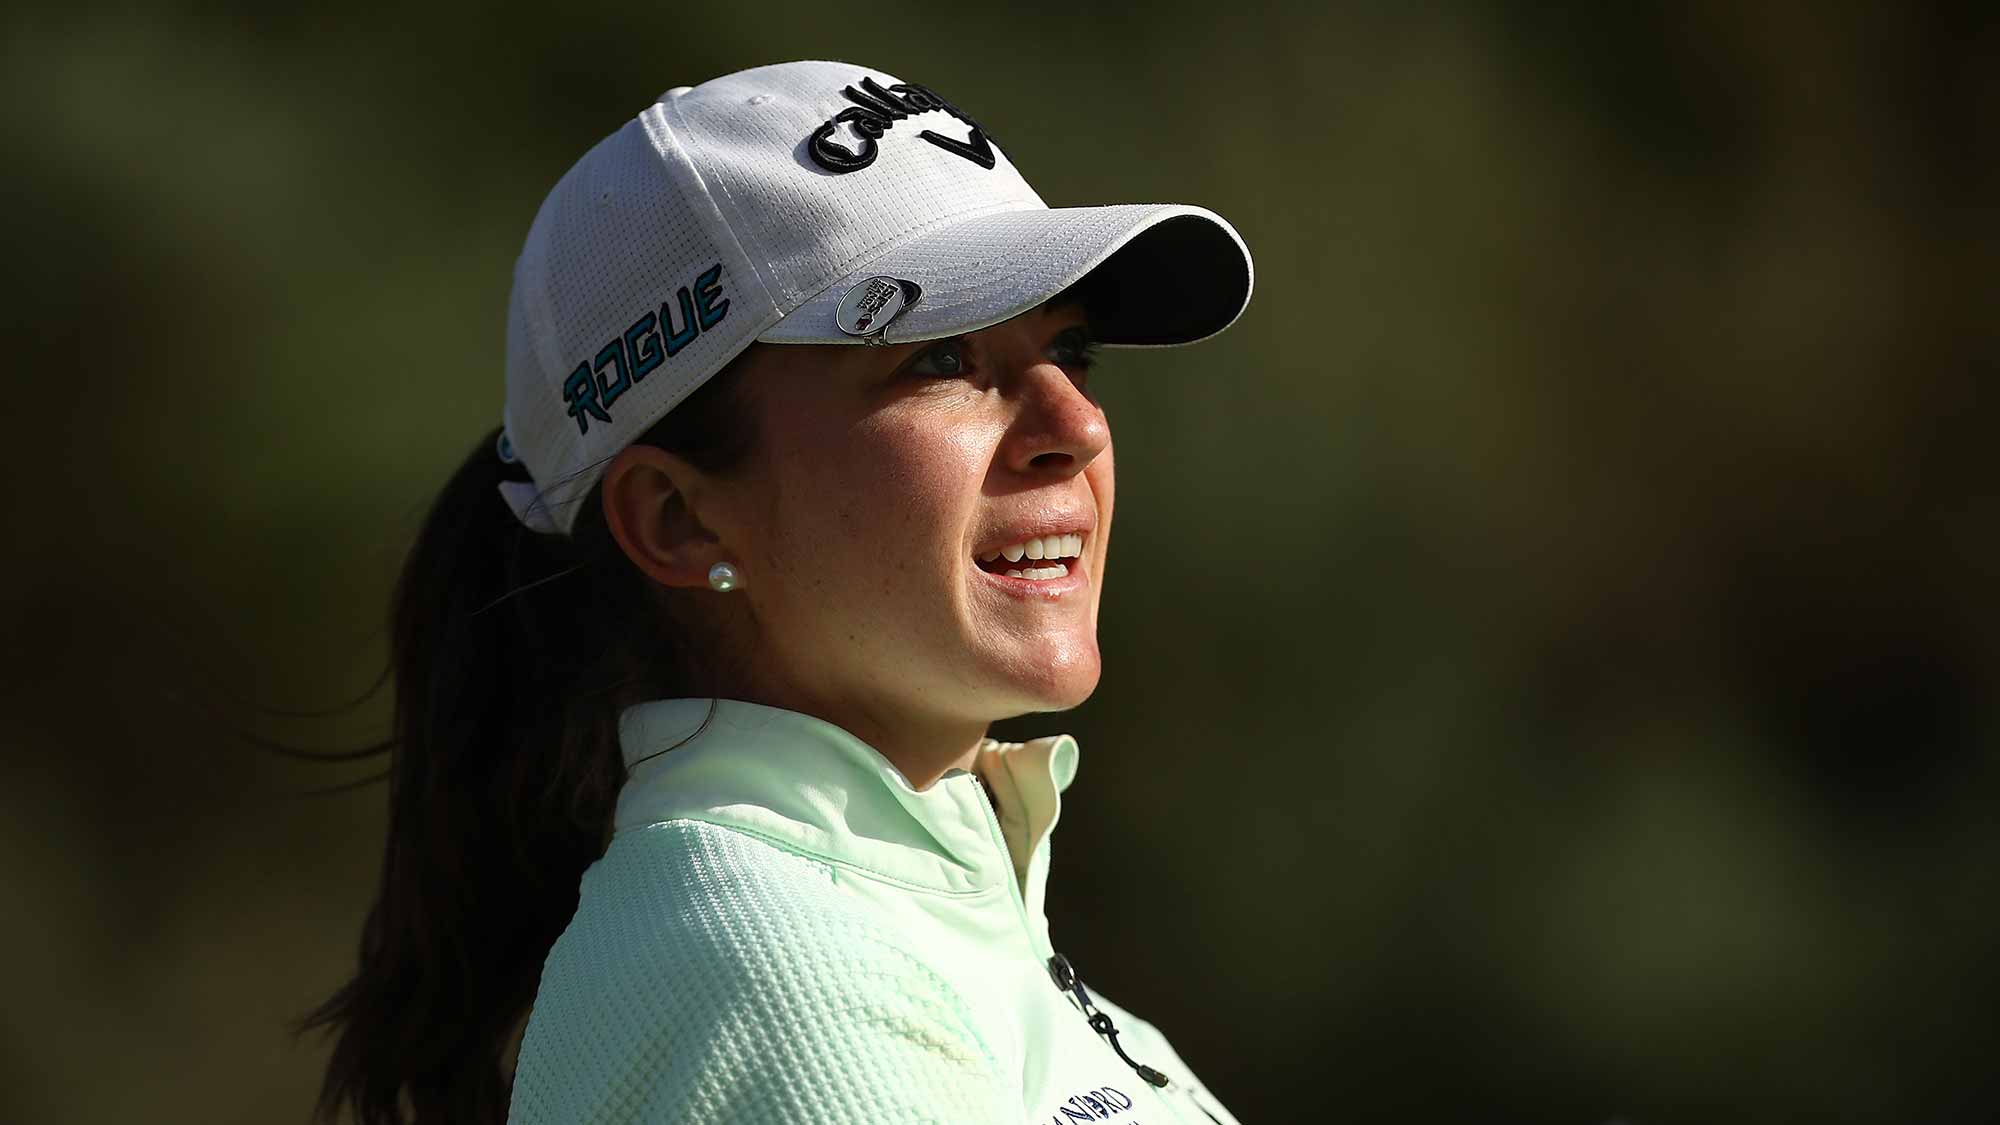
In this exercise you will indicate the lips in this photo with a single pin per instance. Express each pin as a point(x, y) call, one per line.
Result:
point(1081, 521)
point(1043, 590)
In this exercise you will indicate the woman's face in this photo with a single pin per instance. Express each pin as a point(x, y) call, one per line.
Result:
point(881, 473)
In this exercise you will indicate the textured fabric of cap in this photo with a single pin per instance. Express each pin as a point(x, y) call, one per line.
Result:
point(714, 219)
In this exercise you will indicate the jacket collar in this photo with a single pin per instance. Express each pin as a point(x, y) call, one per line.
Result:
point(810, 786)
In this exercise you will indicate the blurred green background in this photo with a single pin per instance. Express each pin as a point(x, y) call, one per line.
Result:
point(1557, 622)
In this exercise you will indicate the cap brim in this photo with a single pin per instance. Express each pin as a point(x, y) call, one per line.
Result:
point(1158, 274)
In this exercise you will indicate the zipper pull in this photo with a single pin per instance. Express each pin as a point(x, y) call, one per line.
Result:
point(1066, 980)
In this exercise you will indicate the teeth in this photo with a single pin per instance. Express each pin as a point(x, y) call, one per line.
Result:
point(1038, 573)
point(1066, 546)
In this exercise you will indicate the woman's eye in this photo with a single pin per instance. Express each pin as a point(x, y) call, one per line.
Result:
point(941, 360)
point(946, 359)
point(1073, 347)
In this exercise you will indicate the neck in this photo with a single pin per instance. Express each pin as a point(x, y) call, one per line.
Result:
point(921, 748)
point(922, 752)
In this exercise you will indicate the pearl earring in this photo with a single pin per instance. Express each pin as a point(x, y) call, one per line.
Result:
point(723, 577)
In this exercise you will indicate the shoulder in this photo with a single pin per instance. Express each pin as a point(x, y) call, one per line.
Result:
point(709, 975)
point(721, 917)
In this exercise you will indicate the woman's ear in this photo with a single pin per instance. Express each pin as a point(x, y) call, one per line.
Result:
point(646, 508)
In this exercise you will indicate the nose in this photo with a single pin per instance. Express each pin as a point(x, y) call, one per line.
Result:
point(1060, 429)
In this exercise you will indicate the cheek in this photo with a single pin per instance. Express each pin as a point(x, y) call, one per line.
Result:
point(1103, 485)
point(901, 496)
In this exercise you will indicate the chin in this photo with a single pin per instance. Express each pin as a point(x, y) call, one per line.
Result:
point(1058, 687)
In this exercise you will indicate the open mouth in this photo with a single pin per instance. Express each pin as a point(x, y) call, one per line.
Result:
point(1037, 559)
point(1029, 568)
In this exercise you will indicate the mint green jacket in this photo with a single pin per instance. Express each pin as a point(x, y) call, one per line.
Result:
point(783, 930)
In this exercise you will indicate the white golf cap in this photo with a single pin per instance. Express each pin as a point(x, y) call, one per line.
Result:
point(806, 203)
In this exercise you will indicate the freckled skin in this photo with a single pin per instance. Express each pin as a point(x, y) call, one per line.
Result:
point(855, 525)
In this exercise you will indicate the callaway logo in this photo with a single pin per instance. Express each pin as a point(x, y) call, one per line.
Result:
point(875, 111)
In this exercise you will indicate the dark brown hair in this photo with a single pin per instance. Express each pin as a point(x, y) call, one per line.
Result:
point(512, 655)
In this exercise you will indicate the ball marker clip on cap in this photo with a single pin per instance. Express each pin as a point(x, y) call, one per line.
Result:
point(870, 306)
point(806, 203)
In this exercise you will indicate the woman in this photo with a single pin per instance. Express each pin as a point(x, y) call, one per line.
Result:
point(693, 813)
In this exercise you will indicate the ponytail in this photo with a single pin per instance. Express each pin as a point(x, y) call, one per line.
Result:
point(513, 654)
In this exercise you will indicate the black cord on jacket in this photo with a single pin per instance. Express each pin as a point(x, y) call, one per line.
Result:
point(1067, 980)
